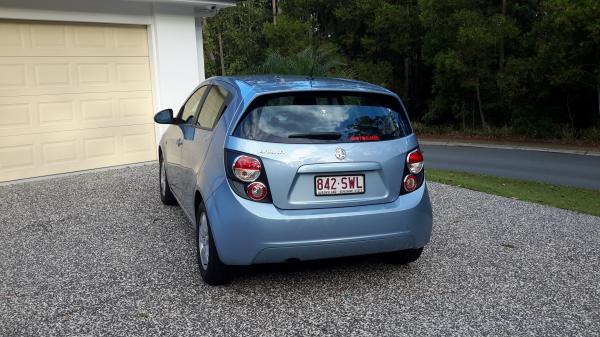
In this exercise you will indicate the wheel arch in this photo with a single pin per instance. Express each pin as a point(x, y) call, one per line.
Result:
point(197, 200)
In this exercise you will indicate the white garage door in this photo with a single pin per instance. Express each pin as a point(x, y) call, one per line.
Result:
point(73, 97)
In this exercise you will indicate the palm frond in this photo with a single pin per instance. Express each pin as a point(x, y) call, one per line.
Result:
point(323, 61)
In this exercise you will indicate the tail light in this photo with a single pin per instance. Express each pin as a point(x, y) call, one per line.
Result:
point(414, 161)
point(257, 191)
point(410, 183)
point(246, 176)
point(246, 168)
point(414, 175)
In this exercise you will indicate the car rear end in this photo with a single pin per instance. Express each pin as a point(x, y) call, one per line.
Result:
point(320, 174)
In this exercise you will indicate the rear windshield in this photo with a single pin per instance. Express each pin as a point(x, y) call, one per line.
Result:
point(324, 117)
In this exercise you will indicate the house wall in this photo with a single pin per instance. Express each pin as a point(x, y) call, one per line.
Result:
point(173, 34)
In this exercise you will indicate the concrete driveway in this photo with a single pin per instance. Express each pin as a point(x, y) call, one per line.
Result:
point(97, 254)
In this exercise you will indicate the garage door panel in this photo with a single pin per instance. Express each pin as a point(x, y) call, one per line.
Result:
point(103, 147)
point(16, 156)
point(11, 36)
point(135, 109)
point(48, 113)
point(52, 153)
point(48, 75)
point(93, 73)
point(139, 144)
point(58, 39)
point(48, 36)
point(26, 76)
point(57, 113)
point(97, 110)
point(12, 76)
point(60, 152)
point(15, 115)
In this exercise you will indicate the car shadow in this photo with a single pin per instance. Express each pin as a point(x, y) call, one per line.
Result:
point(347, 266)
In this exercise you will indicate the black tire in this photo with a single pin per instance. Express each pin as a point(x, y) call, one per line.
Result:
point(213, 272)
point(404, 257)
point(166, 196)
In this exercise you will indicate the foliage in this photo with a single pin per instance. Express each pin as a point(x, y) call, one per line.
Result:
point(571, 198)
point(532, 66)
point(560, 134)
point(288, 36)
point(307, 62)
point(241, 29)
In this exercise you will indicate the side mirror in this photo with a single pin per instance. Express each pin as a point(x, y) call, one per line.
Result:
point(164, 117)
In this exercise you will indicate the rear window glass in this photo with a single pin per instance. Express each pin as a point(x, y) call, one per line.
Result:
point(324, 117)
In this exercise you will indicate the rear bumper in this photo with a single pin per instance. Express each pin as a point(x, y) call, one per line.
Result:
point(247, 232)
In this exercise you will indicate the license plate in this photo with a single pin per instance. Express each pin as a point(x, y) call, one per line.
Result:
point(336, 185)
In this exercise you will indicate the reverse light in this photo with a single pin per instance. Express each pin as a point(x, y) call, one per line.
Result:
point(256, 191)
point(246, 168)
point(414, 161)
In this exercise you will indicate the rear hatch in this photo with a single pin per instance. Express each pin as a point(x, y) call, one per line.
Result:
point(327, 149)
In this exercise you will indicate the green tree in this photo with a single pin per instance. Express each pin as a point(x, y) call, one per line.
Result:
point(531, 65)
point(569, 45)
point(288, 36)
point(239, 29)
point(323, 61)
point(383, 38)
point(461, 44)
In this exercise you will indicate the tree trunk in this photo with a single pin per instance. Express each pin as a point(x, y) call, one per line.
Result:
point(222, 58)
point(311, 29)
point(477, 91)
point(209, 52)
point(274, 5)
point(472, 114)
point(502, 51)
point(598, 94)
point(212, 58)
point(569, 111)
point(407, 76)
point(463, 115)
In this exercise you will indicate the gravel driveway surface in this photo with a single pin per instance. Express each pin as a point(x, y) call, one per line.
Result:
point(97, 254)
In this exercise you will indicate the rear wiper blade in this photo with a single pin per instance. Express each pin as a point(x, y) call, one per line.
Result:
point(317, 135)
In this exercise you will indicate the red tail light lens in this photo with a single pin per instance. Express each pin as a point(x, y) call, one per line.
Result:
point(256, 191)
point(246, 168)
point(414, 160)
point(246, 176)
point(410, 183)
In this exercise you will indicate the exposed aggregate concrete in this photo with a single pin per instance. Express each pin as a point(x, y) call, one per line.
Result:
point(97, 254)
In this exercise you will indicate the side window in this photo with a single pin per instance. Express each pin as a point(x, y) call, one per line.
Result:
point(214, 105)
point(191, 106)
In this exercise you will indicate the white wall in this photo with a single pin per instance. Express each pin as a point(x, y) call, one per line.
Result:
point(175, 57)
point(174, 35)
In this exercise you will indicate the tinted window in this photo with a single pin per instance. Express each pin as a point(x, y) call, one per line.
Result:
point(324, 117)
point(191, 106)
point(212, 108)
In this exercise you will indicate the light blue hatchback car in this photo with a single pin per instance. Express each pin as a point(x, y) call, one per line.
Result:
point(279, 169)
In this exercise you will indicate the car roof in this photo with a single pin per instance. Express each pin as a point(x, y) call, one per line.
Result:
point(262, 84)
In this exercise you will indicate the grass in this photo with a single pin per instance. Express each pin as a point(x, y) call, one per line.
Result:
point(571, 198)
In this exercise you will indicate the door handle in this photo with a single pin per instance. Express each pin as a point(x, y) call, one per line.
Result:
point(179, 142)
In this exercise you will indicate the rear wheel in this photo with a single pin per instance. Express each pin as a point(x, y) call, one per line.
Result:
point(212, 270)
point(166, 196)
point(403, 257)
